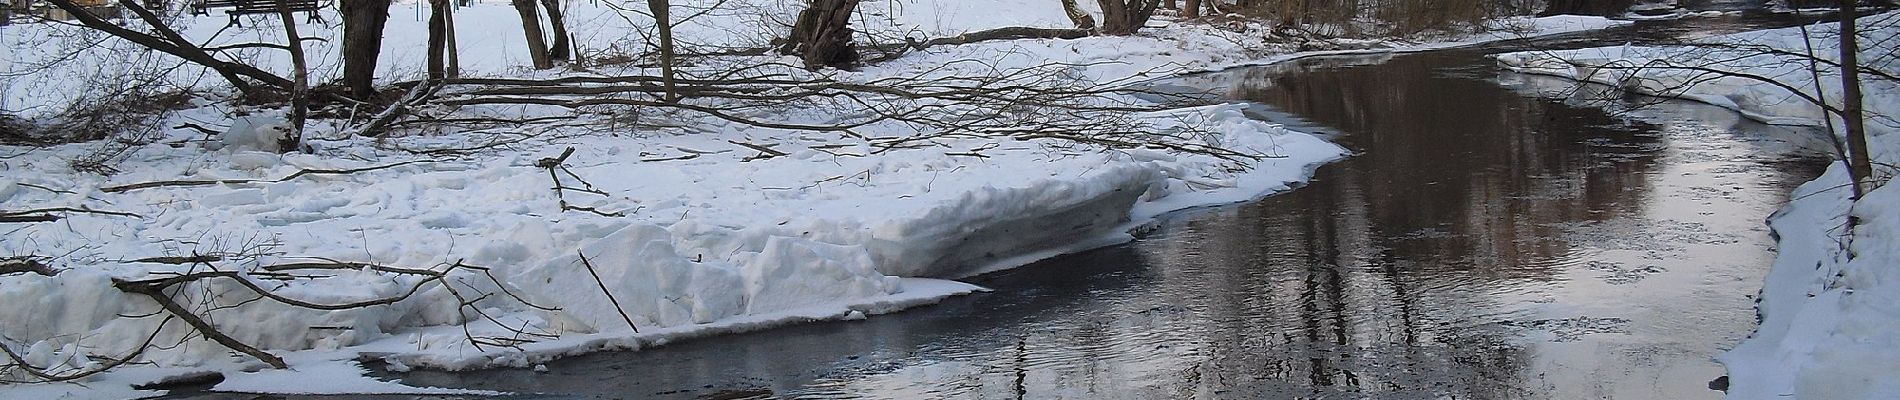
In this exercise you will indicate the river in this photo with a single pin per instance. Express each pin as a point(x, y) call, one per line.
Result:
point(1494, 236)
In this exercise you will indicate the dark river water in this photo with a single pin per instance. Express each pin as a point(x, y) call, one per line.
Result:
point(1495, 236)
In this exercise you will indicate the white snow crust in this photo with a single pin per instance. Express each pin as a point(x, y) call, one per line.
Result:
point(1830, 323)
point(707, 241)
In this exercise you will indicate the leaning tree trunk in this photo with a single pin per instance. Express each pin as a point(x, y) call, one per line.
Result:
point(531, 26)
point(1081, 18)
point(822, 36)
point(363, 22)
point(168, 41)
point(559, 50)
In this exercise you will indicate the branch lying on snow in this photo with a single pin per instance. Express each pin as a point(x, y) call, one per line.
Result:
point(156, 293)
point(209, 182)
point(603, 290)
point(417, 96)
point(53, 374)
point(24, 264)
point(764, 151)
point(557, 165)
point(46, 214)
point(157, 289)
point(892, 51)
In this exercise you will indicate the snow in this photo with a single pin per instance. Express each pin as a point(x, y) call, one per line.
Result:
point(693, 237)
point(1828, 319)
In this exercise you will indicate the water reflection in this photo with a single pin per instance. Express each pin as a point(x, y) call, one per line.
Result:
point(1494, 239)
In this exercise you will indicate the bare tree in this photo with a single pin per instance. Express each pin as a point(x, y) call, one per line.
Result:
point(363, 22)
point(1124, 17)
point(542, 53)
point(560, 49)
point(663, 19)
point(822, 35)
point(300, 82)
point(531, 27)
point(1860, 167)
point(439, 31)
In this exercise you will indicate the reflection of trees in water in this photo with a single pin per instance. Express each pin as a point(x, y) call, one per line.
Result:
point(1378, 279)
point(1452, 166)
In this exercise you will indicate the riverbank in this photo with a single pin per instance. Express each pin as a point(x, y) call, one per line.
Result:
point(1826, 310)
point(680, 232)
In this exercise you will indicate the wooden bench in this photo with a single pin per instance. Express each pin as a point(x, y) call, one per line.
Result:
point(247, 7)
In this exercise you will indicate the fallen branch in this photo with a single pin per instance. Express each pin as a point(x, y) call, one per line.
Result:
point(764, 152)
point(557, 165)
point(892, 51)
point(418, 95)
point(209, 182)
point(24, 264)
point(111, 362)
point(603, 290)
point(46, 214)
point(204, 328)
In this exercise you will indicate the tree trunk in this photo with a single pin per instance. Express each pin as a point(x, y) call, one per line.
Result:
point(560, 49)
point(300, 84)
point(822, 36)
point(1120, 17)
point(363, 22)
point(531, 27)
point(438, 38)
point(454, 67)
point(1859, 166)
point(1115, 17)
point(662, 17)
point(1081, 18)
point(1192, 9)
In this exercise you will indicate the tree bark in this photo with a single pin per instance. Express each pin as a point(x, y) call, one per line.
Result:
point(560, 50)
point(1860, 166)
point(822, 36)
point(1192, 9)
point(1081, 18)
point(531, 26)
point(1124, 17)
point(438, 38)
point(454, 67)
point(662, 17)
point(363, 22)
point(300, 84)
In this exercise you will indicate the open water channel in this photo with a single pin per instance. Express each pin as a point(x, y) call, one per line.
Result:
point(1494, 236)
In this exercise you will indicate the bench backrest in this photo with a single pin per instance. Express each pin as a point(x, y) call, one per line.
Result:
point(262, 6)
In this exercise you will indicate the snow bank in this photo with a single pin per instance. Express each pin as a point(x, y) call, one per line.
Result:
point(1828, 320)
point(688, 235)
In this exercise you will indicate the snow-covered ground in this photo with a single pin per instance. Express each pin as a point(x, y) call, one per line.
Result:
point(1830, 322)
point(693, 236)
